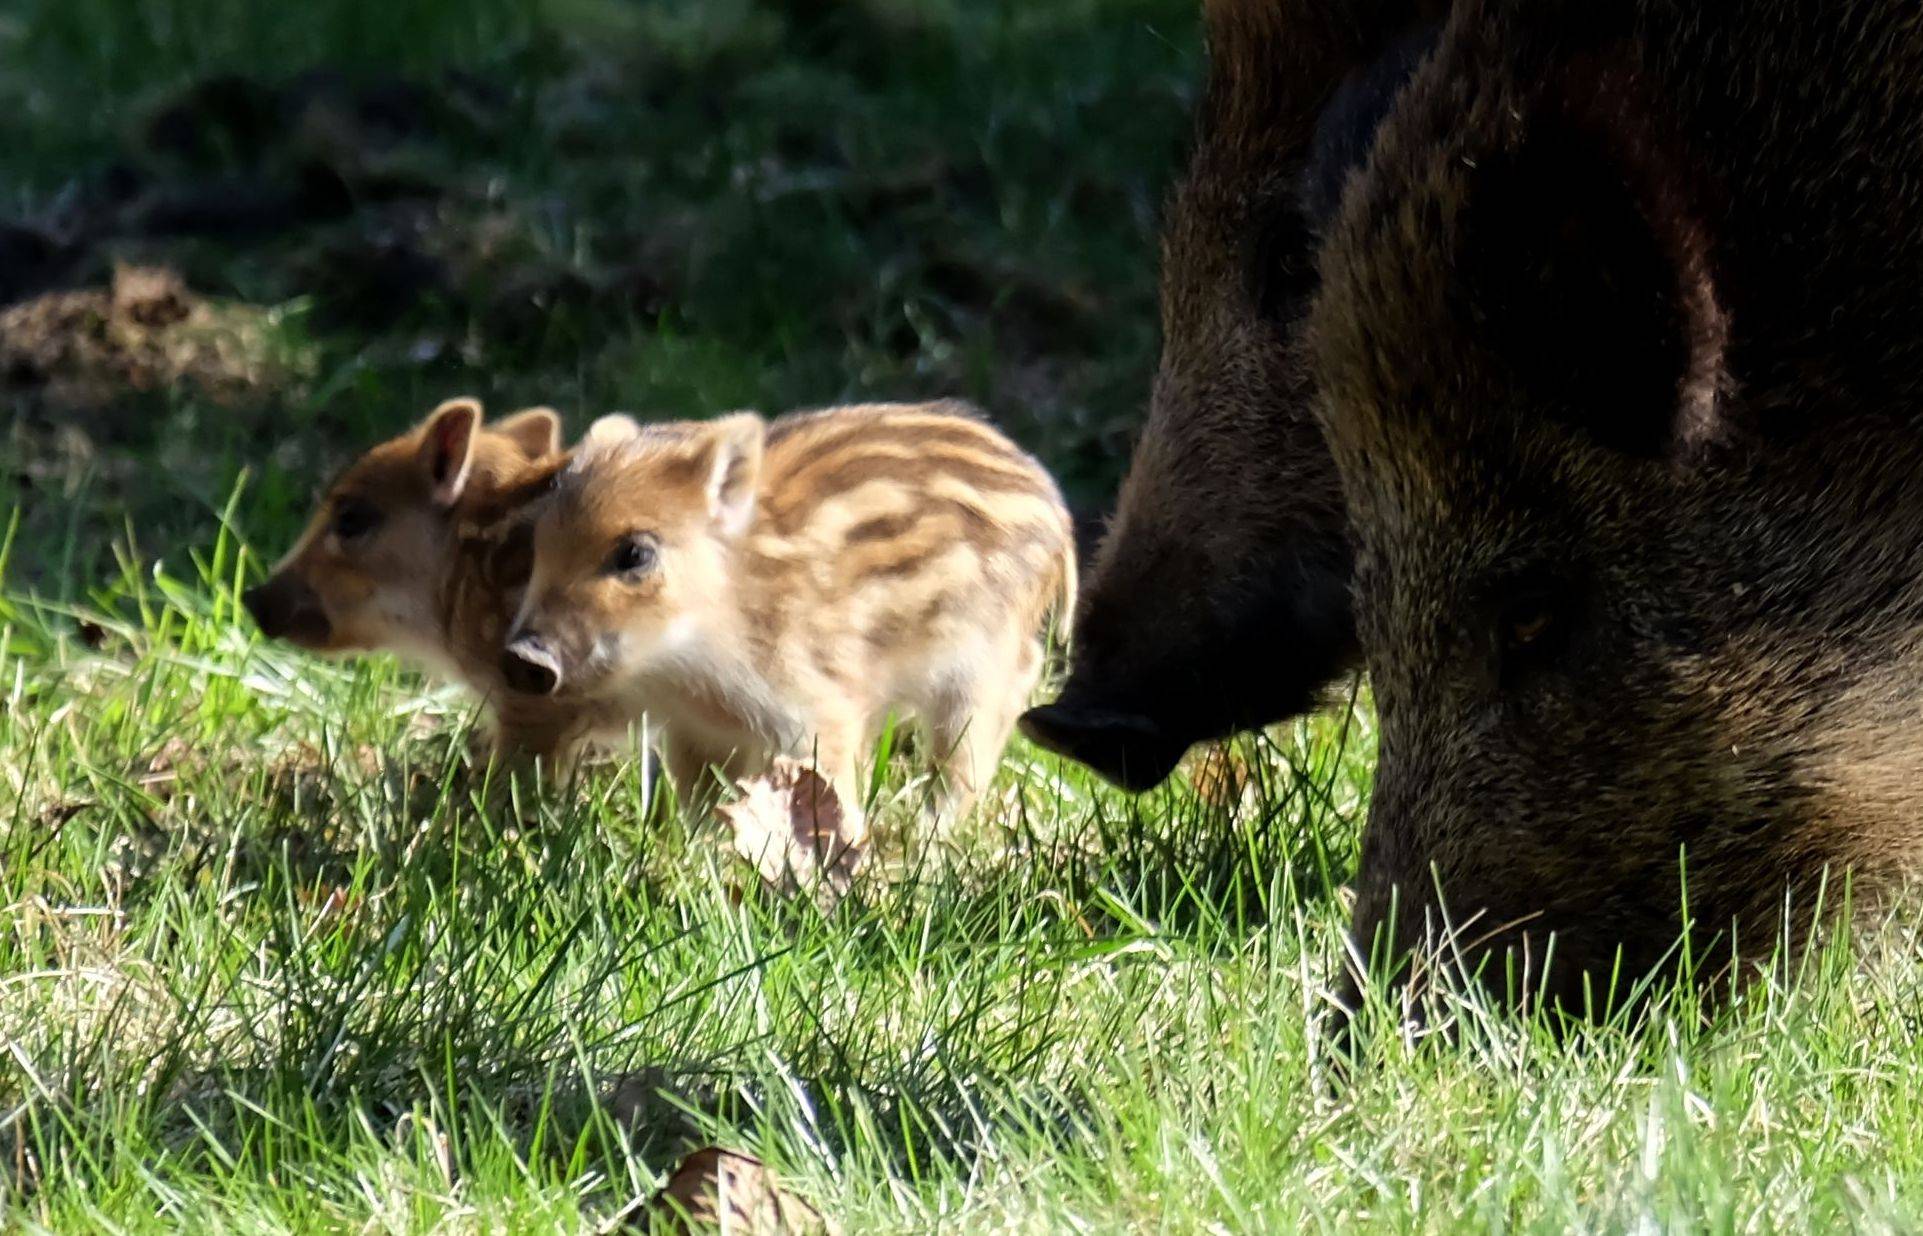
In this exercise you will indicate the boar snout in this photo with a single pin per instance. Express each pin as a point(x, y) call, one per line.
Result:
point(530, 667)
point(286, 608)
point(1125, 748)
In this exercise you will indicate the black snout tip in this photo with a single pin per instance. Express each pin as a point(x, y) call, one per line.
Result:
point(529, 668)
point(1124, 749)
point(287, 609)
point(260, 608)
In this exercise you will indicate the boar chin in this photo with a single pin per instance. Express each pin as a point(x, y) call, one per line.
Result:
point(1127, 749)
point(1158, 667)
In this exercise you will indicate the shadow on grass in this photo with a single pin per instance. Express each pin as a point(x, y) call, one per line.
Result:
point(676, 209)
point(577, 988)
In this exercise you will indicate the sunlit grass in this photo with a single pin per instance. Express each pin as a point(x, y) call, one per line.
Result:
point(269, 960)
point(270, 964)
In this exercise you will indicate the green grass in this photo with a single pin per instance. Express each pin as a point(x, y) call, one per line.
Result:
point(266, 963)
point(269, 966)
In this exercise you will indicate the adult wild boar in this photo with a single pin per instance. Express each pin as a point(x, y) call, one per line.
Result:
point(1219, 598)
point(1615, 339)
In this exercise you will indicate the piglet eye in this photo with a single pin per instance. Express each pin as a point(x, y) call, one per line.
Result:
point(355, 518)
point(635, 555)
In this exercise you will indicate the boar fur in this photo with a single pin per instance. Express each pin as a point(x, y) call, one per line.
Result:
point(1609, 316)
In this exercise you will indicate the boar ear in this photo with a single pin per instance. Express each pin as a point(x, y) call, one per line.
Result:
point(447, 448)
point(734, 469)
point(537, 431)
point(1588, 274)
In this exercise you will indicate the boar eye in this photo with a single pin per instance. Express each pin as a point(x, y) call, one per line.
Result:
point(633, 556)
point(355, 518)
point(1527, 626)
point(1532, 627)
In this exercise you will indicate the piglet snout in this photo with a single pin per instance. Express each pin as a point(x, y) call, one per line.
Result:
point(530, 668)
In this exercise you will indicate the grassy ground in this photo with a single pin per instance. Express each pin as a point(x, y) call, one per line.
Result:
point(266, 965)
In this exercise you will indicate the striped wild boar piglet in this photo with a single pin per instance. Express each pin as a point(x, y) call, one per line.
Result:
point(780, 588)
point(421, 547)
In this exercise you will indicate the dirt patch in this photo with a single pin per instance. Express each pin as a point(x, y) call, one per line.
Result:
point(146, 331)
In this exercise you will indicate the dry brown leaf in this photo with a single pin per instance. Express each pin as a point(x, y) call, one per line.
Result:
point(332, 902)
point(172, 754)
point(165, 766)
point(1219, 773)
point(59, 813)
point(723, 1190)
point(792, 826)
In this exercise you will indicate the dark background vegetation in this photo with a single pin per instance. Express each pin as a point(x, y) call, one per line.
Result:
point(327, 216)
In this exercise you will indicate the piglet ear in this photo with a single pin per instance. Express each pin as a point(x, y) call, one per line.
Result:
point(611, 431)
point(537, 431)
point(447, 448)
point(734, 469)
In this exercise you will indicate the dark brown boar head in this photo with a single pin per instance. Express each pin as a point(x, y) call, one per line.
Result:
point(1219, 598)
point(1634, 647)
